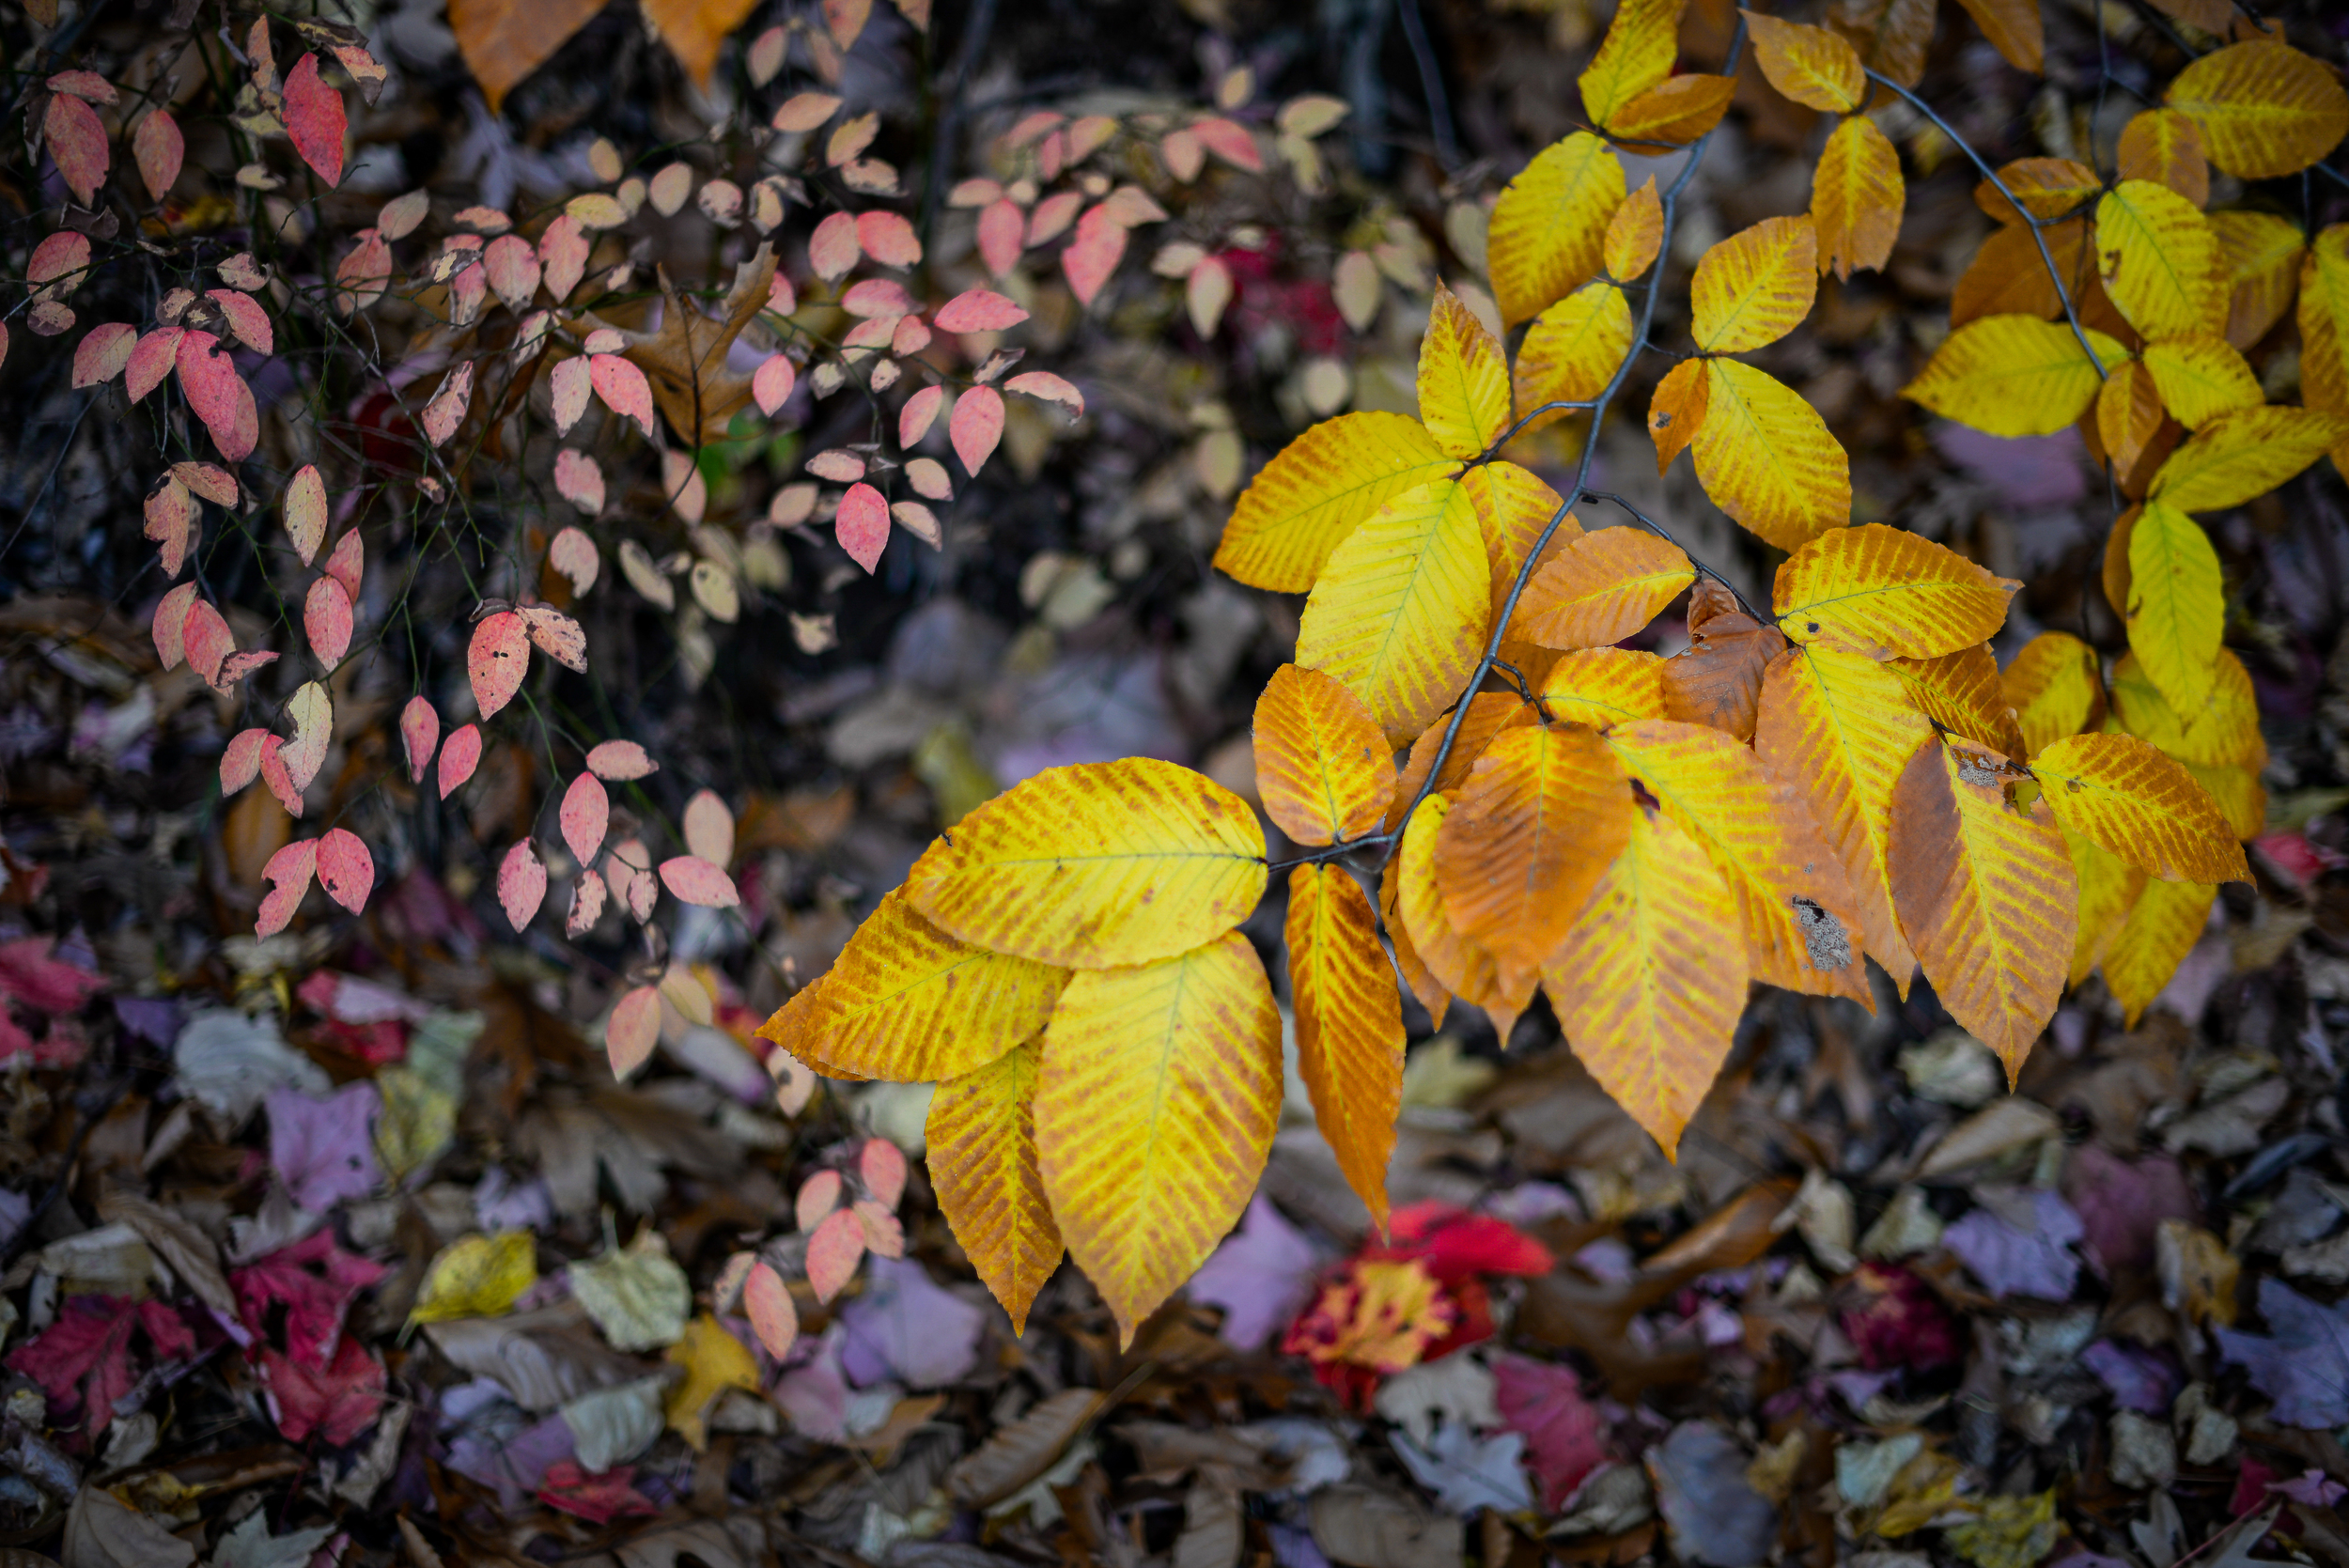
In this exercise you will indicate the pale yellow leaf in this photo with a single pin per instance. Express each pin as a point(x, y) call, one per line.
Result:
point(1765, 457)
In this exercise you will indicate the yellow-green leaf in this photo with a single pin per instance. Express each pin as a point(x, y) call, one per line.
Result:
point(1884, 590)
point(982, 1159)
point(1550, 228)
point(1463, 380)
point(2177, 609)
point(477, 1276)
point(2141, 805)
point(2159, 261)
point(2239, 455)
point(1318, 489)
point(1350, 1025)
point(2200, 378)
point(2013, 376)
point(1765, 457)
point(1097, 864)
point(1401, 612)
point(2223, 732)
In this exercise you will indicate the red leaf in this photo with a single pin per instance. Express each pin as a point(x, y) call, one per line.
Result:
point(915, 419)
point(834, 248)
point(419, 732)
point(87, 85)
point(1565, 1437)
point(497, 660)
point(171, 519)
point(633, 1030)
point(563, 255)
point(695, 880)
point(83, 1361)
point(623, 389)
point(159, 149)
point(240, 759)
point(1093, 255)
point(60, 259)
point(1002, 235)
point(326, 619)
point(522, 885)
point(977, 425)
point(578, 479)
point(883, 1237)
point(833, 1253)
point(150, 361)
point(315, 120)
point(888, 239)
point(346, 870)
point(446, 411)
point(1455, 1244)
point(316, 1281)
point(862, 522)
point(819, 1196)
point(910, 335)
point(574, 555)
point(459, 755)
point(1043, 384)
point(171, 621)
point(304, 509)
point(585, 815)
point(337, 1403)
point(978, 310)
point(206, 639)
point(216, 484)
point(246, 319)
point(287, 873)
point(882, 1166)
point(877, 297)
point(512, 268)
point(30, 973)
point(620, 760)
point(103, 352)
point(273, 774)
point(77, 141)
point(556, 635)
point(347, 562)
point(1230, 142)
point(767, 1300)
point(218, 395)
point(362, 276)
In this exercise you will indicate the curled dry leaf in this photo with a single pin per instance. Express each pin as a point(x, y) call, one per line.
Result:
point(345, 869)
point(695, 880)
point(497, 660)
point(522, 885)
point(620, 760)
point(172, 516)
point(459, 755)
point(633, 1030)
point(419, 735)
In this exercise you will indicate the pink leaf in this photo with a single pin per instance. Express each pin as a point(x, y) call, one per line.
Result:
point(313, 714)
point(574, 555)
point(1230, 142)
point(218, 395)
point(459, 755)
point(235, 668)
point(346, 870)
point(304, 508)
point(171, 518)
point(419, 732)
point(1002, 235)
point(522, 885)
point(246, 319)
point(883, 1237)
point(877, 297)
point(77, 140)
point(171, 620)
point(833, 1255)
point(587, 900)
point(882, 1166)
point(1182, 154)
point(695, 880)
point(1050, 388)
point(563, 255)
point(841, 467)
point(978, 310)
point(273, 775)
point(587, 813)
point(87, 85)
point(633, 1030)
point(620, 760)
point(623, 389)
point(569, 386)
point(767, 1300)
point(447, 409)
point(362, 276)
point(888, 239)
point(1565, 1435)
point(556, 635)
point(326, 620)
point(103, 352)
point(977, 425)
point(512, 268)
point(216, 484)
point(241, 272)
point(834, 248)
point(1052, 215)
point(206, 641)
point(240, 759)
point(710, 828)
point(805, 112)
point(819, 1196)
point(289, 873)
point(628, 867)
point(497, 660)
point(911, 336)
point(315, 120)
point(863, 524)
point(347, 562)
point(60, 259)
point(915, 419)
point(578, 479)
point(770, 383)
point(150, 361)
point(1093, 255)
point(929, 479)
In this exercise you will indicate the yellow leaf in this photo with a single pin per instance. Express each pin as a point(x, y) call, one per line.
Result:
point(714, 1361)
point(1810, 65)
point(1572, 351)
point(907, 1004)
point(1463, 380)
point(2177, 603)
point(2224, 732)
point(1650, 982)
point(1754, 287)
point(1542, 813)
point(1324, 769)
point(2013, 376)
point(1676, 412)
point(2265, 110)
point(1458, 965)
point(1960, 692)
point(1601, 686)
point(1765, 457)
point(1884, 590)
point(2048, 187)
point(2014, 29)
point(2159, 261)
point(1097, 864)
point(2200, 378)
point(2163, 925)
point(2261, 252)
point(2053, 687)
point(1674, 112)
point(2108, 888)
point(1416, 974)
point(636, 1295)
point(1794, 902)
point(2242, 455)
point(2141, 805)
point(1156, 1108)
point(1400, 612)
point(2238, 795)
point(1602, 588)
point(1550, 228)
point(1985, 895)
point(477, 1276)
point(2325, 321)
point(1856, 194)
point(1350, 1025)
point(1318, 490)
point(1514, 507)
point(2164, 147)
point(1634, 234)
point(983, 1165)
point(1838, 727)
point(1637, 53)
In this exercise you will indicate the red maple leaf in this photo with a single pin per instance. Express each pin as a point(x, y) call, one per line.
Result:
point(83, 1360)
point(316, 1282)
point(338, 1402)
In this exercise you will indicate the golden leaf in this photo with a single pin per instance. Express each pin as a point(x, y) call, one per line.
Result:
point(2166, 146)
point(1097, 864)
point(1548, 229)
point(2130, 800)
point(1676, 412)
point(2108, 888)
point(2159, 261)
point(695, 30)
point(2162, 927)
point(2324, 321)
point(2008, 276)
point(2013, 376)
point(1514, 505)
point(1884, 590)
point(1317, 490)
point(2223, 732)
point(1461, 967)
point(1985, 893)
point(1602, 686)
point(983, 1165)
point(2242, 455)
point(1634, 234)
point(1754, 287)
point(1810, 65)
point(2177, 603)
point(1541, 814)
point(477, 1276)
point(1765, 457)
point(1572, 351)
point(1961, 691)
point(1637, 53)
point(1856, 194)
point(1488, 714)
point(1463, 380)
point(2053, 687)
point(1650, 982)
point(2014, 29)
point(1674, 112)
point(2261, 252)
point(1602, 588)
point(505, 40)
point(1154, 1112)
point(2238, 795)
point(1350, 1025)
point(1324, 769)
point(2048, 188)
point(2200, 378)
point(2265, 110)
point(714, 1360)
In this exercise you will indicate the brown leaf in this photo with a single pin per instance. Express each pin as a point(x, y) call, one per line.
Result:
point(1718, 680)
point(1019, 1454)
point(686, 360)
point(505, 40)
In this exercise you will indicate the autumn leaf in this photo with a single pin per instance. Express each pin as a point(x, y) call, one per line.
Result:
point(1961, 693)
point(1527, 839)
point(1765, 457)
point(1460, 965)
point(1572, 351)
point(505, 40)
point(1856, 196)
point(1603, 687)
point(1756, 286)
point(1810, 65)
point(2014, 375)
point(2161, 928)
point(1550, 228)
point(2242, 455)
point(1311, 497)
point(1463, 380)
point(1324, 769)
point(2263, 255)
point(686, 360)
point(2159, 261)
point(2177, 605)
point(2054, 687)
point(1350, 1025)
point(1602, 588)
point(1884, 590)
point(1635, 54)
point(2224, 732)
point(2199, 378)
point(2131, 800)
point(2165, 146)
point(2108, 888)
point(984, 1167)
point(2265, 109)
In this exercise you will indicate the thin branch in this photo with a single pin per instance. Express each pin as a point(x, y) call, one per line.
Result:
point(1430, 85)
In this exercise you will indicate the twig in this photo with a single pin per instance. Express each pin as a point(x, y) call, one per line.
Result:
point(1430, 85)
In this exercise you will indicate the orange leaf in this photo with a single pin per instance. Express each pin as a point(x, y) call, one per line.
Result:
point(2013, 28)
point(1634, 234)
point(2166, 146)
point(1323, 768)
point(1676, 412)
point(1718, 680)
point(1674, 112)
point(982, 1167)
point(1601, 686)
point(505, 40)
point(1350, 1025)
point(1543, 812)
point(1810, 65)
point(1602, 588)
point(1884, 590)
